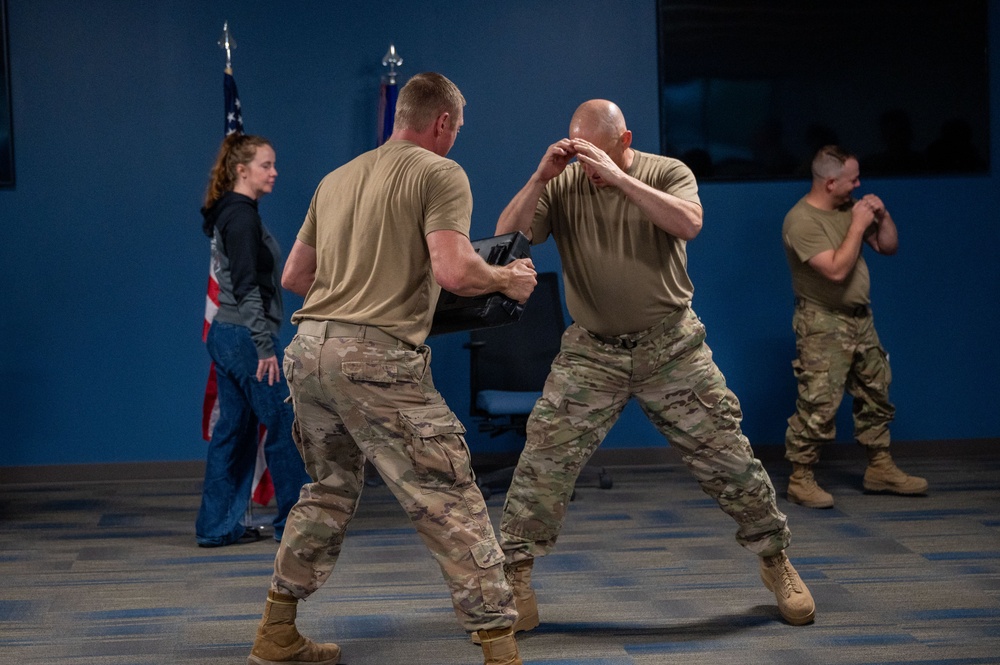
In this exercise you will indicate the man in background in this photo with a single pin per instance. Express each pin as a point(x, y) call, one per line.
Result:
point(835, 339)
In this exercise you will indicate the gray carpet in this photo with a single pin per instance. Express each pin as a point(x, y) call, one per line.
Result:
point(647, 572)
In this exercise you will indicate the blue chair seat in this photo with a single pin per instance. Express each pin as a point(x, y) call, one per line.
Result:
point(505, 403)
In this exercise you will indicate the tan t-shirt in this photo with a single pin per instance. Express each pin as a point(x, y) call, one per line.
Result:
point(808, 231)
point(367, 221)
point(622, 273)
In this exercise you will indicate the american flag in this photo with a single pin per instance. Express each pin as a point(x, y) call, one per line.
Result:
point(263, 487)
point(234, 112)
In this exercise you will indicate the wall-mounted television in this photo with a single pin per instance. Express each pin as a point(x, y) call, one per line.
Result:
point(750, 90)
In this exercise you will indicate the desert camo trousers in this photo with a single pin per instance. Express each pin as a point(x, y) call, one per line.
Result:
point(671, 374)
point(368, 398)
point(837, 352)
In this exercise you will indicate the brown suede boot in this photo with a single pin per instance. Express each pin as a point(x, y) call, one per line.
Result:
point(794, 600)
point(279, 642)
point(882, 475)
point(499, 647)
point(519, 579)
point(803, 490)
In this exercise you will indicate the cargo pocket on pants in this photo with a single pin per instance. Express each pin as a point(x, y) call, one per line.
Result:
point(492, 584)
point(435, 445)
point(813, 378)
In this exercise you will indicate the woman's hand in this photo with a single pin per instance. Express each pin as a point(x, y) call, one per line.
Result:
point(269, 366)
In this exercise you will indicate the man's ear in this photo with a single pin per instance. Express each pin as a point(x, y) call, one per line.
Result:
point(442, 123)
point(626, 139)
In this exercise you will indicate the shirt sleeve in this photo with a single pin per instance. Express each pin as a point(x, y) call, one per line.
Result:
point(806, 238)
point(541, 223)
point(679, 181)
point(448, 202)
point(242, 240)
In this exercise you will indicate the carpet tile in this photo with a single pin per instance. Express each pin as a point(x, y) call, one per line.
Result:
point(645, 573)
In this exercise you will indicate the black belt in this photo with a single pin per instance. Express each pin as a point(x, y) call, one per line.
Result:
point(621, 342)
point(856, 312)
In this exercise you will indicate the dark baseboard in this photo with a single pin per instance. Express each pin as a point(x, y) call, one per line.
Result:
point(769, 454)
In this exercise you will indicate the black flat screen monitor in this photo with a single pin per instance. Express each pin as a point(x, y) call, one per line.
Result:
point(750, 90)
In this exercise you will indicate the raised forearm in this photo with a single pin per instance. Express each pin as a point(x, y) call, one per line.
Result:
point(886, 239)
point(519, 213)
point(458, 269)
point(673, 215)
point(837, 264)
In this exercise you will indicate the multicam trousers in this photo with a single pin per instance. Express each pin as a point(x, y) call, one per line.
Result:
point(358, 398)
point(671, 373)
point(837, 352)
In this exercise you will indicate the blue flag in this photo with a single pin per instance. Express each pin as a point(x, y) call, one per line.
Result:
point(234, 112)
point(387, 94)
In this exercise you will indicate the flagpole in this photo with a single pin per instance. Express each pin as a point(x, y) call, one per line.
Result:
point(391, 59)
point(234, 115)
point(227, 43)
point(387, 94)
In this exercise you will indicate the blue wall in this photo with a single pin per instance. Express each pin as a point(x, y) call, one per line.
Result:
point(117, 114)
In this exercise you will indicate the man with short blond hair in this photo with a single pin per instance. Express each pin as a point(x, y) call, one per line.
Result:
point(383, 235)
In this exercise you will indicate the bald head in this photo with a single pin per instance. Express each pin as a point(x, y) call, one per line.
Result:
point(601, 124)
point(598, 121)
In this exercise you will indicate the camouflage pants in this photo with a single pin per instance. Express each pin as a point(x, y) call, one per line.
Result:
point(837, 352)
point(671, 373)
point(359, 398)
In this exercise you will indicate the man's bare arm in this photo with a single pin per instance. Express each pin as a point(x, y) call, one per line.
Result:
point(300, 269)
point(520, 212)
point(458, 269)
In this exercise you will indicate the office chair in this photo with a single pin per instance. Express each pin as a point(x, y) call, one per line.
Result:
point(508, 367)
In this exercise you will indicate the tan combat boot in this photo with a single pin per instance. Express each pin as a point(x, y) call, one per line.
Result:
point(519, 578)
point(803, 490)
point(499, 647)
point(882, 475)
point(794, 600)
point(279, 642)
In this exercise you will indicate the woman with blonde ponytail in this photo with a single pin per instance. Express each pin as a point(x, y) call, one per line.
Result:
point(243, 344)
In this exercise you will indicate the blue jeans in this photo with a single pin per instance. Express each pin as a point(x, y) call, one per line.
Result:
point(232, 453)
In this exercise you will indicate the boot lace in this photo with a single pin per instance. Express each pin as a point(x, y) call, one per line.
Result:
point(788, 581)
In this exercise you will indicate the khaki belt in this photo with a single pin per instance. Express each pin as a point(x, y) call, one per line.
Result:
point(327, 329)
point(631, 340)
point(856, 312)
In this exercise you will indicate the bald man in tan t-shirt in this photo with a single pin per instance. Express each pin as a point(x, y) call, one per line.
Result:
point(621, 220)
